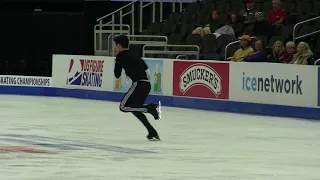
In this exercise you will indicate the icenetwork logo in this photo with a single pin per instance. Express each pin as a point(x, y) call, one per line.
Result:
point(272, 84)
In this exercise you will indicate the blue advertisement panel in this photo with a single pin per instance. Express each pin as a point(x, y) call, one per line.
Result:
point(155, 74)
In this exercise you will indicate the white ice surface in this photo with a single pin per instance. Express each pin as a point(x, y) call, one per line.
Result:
point(196, 145)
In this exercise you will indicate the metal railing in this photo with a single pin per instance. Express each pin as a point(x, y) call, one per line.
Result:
point(162, 40)
point(175, 52)
point(121, 16)
point(229, 44)
point(103, 30)
point(305, 35)
point(153, 3)
point(115, 19)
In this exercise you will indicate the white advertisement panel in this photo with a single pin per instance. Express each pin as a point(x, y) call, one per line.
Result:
point(268, 83)
point(82, 72)
point(97, 73)
point(160, 75)
point(34, 81)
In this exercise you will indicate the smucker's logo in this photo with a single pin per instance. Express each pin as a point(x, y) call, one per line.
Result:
point(200, 75)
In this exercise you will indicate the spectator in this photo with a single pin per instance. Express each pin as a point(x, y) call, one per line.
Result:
point(291, 50)
point(234, 22)
point(245, 49)
point(277, 52)
point(229, 27)
point(258, 55)
point(211, 27)
point(262, 26)
point(277, 16)
point(248, 16)
point(303, 54)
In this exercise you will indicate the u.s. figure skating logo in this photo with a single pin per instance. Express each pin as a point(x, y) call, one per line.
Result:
point(84, 72)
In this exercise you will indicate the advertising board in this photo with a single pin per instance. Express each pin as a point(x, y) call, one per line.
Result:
point(155, 75)
point(12, 80)
point(82, 72)
point(201, 79)
point(280, 84)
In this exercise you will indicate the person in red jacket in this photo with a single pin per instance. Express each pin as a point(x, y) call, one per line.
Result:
point(277, 16)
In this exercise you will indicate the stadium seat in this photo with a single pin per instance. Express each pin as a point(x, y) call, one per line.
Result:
point(209, 47)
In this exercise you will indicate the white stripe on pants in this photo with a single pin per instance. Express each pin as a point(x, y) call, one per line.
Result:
point(125, 99)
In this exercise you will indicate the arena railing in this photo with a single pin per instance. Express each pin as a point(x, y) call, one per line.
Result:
point(102, 32)
point(115, 19)
point(305, 35)
point(161, 40)
point(167, 50)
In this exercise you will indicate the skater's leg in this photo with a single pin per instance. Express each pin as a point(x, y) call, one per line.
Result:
point(143, 119)
point(152, 133)
point(131, 102)
point(134, 100)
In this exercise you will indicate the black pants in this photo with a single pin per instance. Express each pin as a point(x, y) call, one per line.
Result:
point(134, 100)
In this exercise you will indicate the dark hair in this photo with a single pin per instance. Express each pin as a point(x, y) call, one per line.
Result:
point(254, 43)
point(122, 40)
point(229, 18)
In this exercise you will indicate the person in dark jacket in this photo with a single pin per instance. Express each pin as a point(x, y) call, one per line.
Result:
point(258, 55)
point(212, 25)
point(262, 26)
point(277, 52)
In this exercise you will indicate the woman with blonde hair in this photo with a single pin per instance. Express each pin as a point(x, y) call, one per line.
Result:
point(277, 52)
point(303, 54)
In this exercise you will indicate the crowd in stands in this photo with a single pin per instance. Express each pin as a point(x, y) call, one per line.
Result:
point(290, 54)
point(250, 21)
point(264, 30)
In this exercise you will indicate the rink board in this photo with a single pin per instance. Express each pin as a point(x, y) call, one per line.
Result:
point(253, 88)
point(193, 103)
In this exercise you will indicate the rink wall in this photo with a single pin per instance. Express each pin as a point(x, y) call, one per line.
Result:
point(283, 90)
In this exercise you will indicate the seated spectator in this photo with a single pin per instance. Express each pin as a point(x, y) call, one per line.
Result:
point(303, 55)
point(277, 52)
point(211, 27)
point(235, 23)
point(228, 28)
point(262, 26)
point(291, 50)
point(258, 55)
point(248, 15)
point(277, 16)
point(245, 49)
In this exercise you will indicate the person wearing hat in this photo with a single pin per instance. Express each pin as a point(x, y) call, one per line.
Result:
point(245, 49)
point(248, 14)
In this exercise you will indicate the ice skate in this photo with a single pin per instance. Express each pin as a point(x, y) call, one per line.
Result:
point(153, 137)
point(155, 110)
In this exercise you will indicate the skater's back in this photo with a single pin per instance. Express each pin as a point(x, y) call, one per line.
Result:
point(133, 65)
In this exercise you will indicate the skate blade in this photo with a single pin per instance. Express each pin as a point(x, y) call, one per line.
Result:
point(159, 110)
point(154, 139)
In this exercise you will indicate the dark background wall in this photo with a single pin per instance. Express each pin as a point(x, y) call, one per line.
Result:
point(31, 31)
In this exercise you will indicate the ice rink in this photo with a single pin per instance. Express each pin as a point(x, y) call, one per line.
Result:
point(93, 140)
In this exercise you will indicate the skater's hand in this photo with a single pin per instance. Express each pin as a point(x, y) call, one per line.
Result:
point(148, 74)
